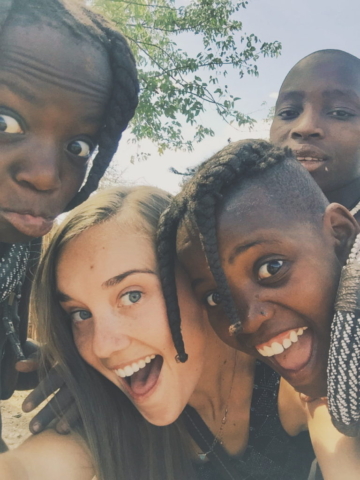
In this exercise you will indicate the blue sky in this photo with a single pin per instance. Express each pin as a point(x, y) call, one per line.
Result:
point(302, 26)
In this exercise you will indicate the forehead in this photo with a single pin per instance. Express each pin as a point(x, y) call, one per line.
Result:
point(38, 53)
point(323, 74)
point(106, 250)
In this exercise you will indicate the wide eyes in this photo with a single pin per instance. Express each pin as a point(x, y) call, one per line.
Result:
point(80, 148)
point(213, 299)
point(80, 316)
point(269, 269)
point(9, 124)
point(130, 298)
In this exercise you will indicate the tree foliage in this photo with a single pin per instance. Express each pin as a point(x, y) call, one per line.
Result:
point(177, 85)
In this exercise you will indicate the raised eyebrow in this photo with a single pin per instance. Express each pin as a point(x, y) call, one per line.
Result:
point(295, 95)
point(242, 248)
point(22, 91)
point(119, 278)
point(62, 297)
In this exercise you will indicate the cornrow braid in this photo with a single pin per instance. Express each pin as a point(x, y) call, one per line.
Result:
point(84, 23)
point(197, 202)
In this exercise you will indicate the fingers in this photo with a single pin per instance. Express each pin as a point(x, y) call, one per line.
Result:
point(29, 365)
point(60, 403)
point(68, 420)
point(49, 385)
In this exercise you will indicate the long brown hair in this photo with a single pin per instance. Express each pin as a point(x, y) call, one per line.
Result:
point(124, 446)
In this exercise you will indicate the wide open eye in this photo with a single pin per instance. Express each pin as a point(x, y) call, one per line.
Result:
point(80, 148)
point(9, 124)
point(130, 298)
point(269, 269)
point(213, 299)
point(80, 315)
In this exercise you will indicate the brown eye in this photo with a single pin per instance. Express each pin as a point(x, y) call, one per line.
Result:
point(9, 125)
point(213, 299)
point(80, 148)
point(269, 269)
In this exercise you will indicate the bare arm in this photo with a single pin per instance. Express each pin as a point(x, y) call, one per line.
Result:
point(338, 455)
point(48, 455)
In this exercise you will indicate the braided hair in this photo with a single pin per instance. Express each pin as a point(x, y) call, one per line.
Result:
point(83, 23)
point(197, 202)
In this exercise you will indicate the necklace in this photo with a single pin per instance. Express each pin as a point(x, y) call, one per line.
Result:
point(219, 436)
point(355, 210)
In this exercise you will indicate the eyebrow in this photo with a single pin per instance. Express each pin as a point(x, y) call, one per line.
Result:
point(21, 90)
point(63, 297)
point(119, 278)
point(347, 93)
point(242, 248)
point(292, 95)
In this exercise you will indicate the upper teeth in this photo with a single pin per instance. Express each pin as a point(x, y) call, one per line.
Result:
point(275, 348)
point(134, 367)
point(309, 159)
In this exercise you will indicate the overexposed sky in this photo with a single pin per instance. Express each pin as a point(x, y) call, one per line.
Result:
point(302, 26)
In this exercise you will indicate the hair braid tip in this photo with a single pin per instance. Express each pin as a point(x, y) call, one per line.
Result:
point(235, 328)
point(181, 357)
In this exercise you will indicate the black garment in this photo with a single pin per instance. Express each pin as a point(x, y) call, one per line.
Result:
point(9, 377)
point(271, 453)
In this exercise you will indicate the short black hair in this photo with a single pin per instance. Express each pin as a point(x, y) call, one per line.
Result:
point(85, 24)
point(235, 167)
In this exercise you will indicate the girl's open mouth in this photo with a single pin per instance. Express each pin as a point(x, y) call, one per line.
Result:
point(291, 350)
point(142, 376)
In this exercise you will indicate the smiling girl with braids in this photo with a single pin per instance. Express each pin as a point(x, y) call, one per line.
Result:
point(68, 88)
point(264, 251)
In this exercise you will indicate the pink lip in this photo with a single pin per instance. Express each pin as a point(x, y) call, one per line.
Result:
point(28, 224)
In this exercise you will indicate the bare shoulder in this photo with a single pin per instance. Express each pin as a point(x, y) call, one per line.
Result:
point(291, 409)
point(48, 455)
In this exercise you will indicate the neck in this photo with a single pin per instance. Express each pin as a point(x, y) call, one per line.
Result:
point(225, 370)
point(348, 195)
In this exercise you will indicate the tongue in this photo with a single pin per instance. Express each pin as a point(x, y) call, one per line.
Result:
point(298, 355)
point(143, 381)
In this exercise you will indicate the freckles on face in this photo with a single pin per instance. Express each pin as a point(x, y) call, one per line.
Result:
point(52, 104)
point(109, 286)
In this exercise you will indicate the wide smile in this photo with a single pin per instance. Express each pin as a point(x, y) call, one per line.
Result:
point(310, 157)
point(28, 223)
point(290, 350)
point(141, 377)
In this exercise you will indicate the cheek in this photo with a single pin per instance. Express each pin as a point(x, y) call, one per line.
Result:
point(220, 324)
point(83, 342)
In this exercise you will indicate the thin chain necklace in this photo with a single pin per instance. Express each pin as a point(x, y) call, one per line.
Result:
point(219, 437)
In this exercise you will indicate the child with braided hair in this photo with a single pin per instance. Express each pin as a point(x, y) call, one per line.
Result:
point(68, 88)
point(264, 251)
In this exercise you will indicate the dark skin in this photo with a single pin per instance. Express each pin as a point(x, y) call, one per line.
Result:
point(317, 115)
point(53, 97)
point(283, 275)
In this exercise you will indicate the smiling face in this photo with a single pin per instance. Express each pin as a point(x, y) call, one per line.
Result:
point(110, 289)
point(283, 276)
point(53, 96)
point(317, 115)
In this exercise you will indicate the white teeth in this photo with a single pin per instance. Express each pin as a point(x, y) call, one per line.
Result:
point(134, 367)
point(287, 343)
point(276, 348)
point(268, 350)
point(293, 336)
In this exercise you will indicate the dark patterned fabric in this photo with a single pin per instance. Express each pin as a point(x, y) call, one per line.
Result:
point(271, 453)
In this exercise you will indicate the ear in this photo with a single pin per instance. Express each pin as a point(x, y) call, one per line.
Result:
point(343, 228)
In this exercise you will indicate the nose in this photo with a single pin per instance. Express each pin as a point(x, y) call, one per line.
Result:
point(40, 167)
point(109, 337)
point(307, 125)
point(257, 313)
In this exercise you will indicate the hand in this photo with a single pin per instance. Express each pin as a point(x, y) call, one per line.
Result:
point(28, 375)
point(61, 405)
point(310, 404)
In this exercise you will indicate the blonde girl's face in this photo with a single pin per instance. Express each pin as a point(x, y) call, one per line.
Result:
point(108, 285)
